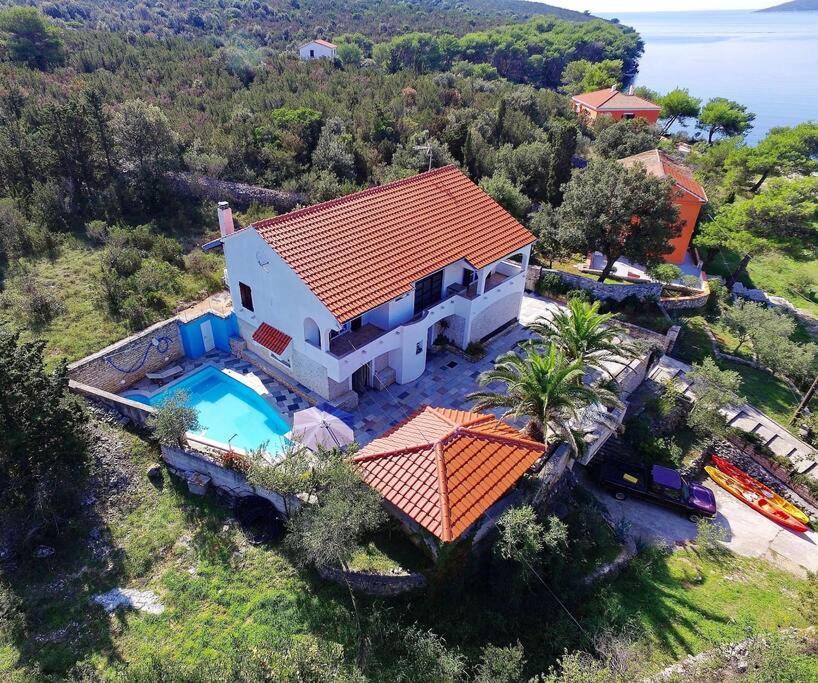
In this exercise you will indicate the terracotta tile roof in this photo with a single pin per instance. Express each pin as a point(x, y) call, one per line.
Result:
point(271, 338)
point(318, 41)
point(611, 99)
point(661, 165)
point(362, 250)
point(444, 468)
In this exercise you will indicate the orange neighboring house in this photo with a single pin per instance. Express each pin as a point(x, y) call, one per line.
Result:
point(441, 469)
point(688, 195)
point(617, 105)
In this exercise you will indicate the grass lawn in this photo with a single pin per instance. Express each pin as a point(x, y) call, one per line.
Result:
point(776, 273)
point(689, 601)
point(85, 325)
point(761, 389)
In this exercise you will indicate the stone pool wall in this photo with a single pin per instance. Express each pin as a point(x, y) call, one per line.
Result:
point(139, 353)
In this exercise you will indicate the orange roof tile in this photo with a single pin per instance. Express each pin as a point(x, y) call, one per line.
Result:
point(661, 165)
point(444, 468)
point(319, 41)
point(271, 338)
point(610, 99)
point(360, 251)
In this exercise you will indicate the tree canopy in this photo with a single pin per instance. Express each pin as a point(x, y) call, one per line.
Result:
point(619, 212)
point(27, 37)
point(678, 105)
point(721, 116)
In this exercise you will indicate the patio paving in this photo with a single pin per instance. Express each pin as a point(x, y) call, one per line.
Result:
point(449, 377)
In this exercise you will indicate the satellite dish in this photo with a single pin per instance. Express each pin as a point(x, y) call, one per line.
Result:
point(263, 260)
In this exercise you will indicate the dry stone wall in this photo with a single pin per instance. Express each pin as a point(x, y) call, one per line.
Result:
point(600, 290)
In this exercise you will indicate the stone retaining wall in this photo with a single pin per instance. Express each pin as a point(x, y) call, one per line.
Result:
point(380, 585)
point(136, 412)
point(600, 290)
point(682, 303)
point(186, 463)
point(97, 370)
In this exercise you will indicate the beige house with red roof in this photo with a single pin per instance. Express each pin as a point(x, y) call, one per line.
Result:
point(349, 294)
point(440, 470)
point(317, 49)
point(618, 105)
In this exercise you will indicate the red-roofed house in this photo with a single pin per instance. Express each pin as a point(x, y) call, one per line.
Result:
point(688, 195)
point(348, 294)
point(618, 105)
point(441, 469)
point(317, 49)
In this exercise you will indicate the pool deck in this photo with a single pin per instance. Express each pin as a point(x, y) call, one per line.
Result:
point(284, 401)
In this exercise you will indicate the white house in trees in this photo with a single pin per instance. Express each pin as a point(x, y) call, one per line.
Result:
point(348, 295)
point(316, 49)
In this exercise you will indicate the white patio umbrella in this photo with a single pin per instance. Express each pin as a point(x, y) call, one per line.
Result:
point(316, 428)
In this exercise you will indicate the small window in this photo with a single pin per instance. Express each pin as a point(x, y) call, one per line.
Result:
point(468, 277)
point(418, 348)
point(312, 54)
point(629, 116)
point(246, 296)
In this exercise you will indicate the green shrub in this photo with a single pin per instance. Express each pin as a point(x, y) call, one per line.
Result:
point(581, 294)
point(475, 348)
point(551, 283)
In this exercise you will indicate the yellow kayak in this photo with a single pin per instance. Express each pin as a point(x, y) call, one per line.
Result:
point(731, 470)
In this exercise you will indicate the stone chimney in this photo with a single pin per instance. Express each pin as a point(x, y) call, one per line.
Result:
point(630, 90)
point(613, 88)
point(225, 219)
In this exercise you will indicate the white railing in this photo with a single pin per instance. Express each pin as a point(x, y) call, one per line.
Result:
point(455, 304)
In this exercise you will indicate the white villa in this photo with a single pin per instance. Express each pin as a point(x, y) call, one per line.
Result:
point(316, 49)
point(348, 295)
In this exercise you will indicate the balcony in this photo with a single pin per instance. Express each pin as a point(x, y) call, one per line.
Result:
point(349, 342)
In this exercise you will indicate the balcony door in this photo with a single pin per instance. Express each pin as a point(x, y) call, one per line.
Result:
point(428, 291)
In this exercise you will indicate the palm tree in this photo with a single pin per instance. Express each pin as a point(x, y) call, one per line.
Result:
point(547, 388)
point(581, 332)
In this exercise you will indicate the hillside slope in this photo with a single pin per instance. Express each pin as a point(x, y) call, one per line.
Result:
point(794, 6)
point(277, 23)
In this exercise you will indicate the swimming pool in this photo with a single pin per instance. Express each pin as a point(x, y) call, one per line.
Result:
point(227, 408)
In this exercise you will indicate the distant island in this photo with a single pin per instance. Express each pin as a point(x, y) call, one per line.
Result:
point(794, 6)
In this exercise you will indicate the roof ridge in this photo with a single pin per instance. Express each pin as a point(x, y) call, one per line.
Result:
point(398, 451)
point(369, 191)
point(487, 436)
point(443, 492)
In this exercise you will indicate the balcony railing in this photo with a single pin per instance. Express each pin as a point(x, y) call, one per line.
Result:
point(346, 343)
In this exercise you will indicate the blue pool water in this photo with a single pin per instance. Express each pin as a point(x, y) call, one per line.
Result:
point(226, 407)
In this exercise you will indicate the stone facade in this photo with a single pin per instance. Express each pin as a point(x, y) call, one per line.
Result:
point(495, 316)
point(144, 352)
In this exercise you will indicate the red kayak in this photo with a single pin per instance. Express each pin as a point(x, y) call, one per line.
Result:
point(754, 485)
point(754, 500)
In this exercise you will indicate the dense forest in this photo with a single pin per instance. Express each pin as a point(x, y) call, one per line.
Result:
point(282, 23)
point(93, 121)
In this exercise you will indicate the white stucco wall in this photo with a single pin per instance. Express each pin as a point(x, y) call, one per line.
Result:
point(280, 298)
point(319, 51)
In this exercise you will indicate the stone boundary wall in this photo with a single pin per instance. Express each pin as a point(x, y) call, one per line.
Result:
point(683, 303)
point(379, 585)
point(600, 290)
point(239, 195)
point(136, 412)
point(186, 462)
point(96, 370)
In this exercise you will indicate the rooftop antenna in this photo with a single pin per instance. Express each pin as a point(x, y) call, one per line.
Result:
point(428, 149)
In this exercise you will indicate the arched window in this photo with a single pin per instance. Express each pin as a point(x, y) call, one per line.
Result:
point(312, 334)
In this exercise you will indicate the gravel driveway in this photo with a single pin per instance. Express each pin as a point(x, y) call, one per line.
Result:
point(748, 533)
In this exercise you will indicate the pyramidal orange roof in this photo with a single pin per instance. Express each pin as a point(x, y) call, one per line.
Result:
point(360, 251)
point(444, 468)
point(657, 163)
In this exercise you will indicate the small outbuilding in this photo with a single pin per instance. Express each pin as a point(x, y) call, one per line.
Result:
point(440, 470)
point(317, 49)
